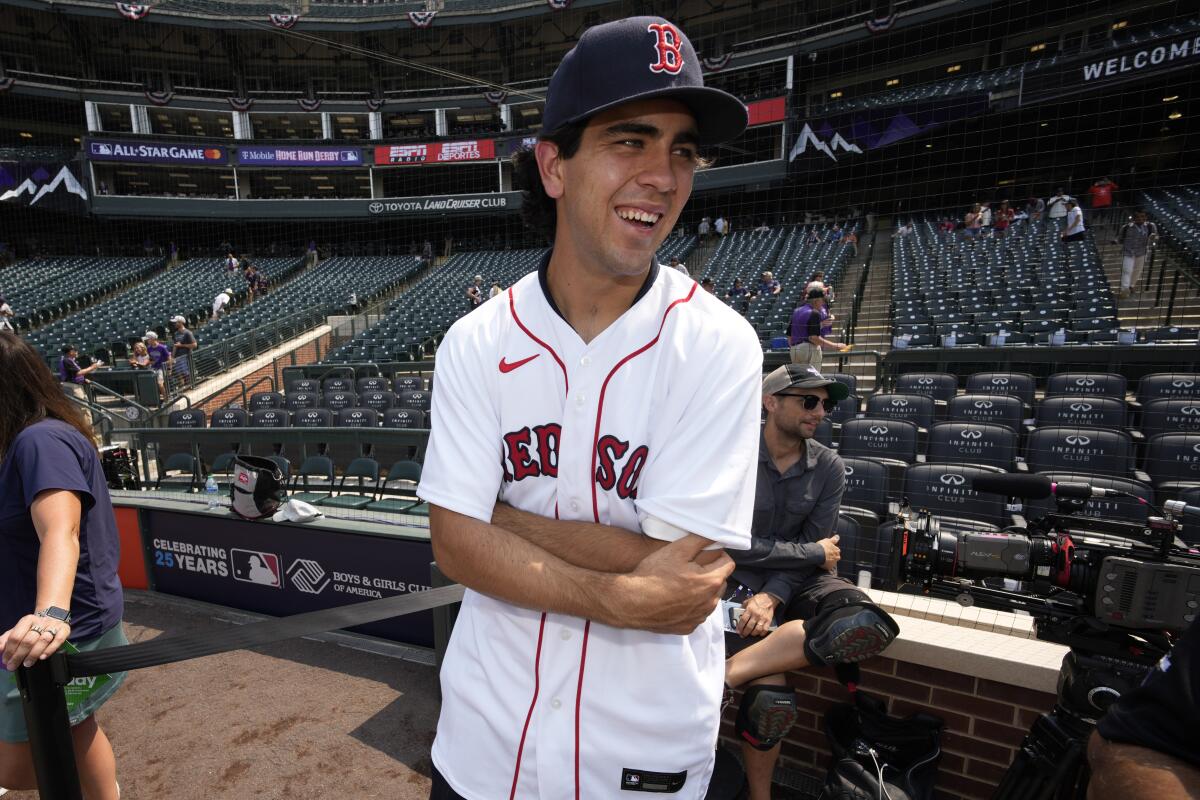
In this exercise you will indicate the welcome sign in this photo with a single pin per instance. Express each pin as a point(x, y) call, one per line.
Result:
point(1109, 69)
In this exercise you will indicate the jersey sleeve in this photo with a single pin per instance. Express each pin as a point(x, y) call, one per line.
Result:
point(462, 470)
point(46, 461)
point(701, 478)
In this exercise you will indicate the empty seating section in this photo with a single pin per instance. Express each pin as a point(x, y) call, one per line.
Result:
point(112, 324)
point(1024, 287)
point(44, 289)
point(1176, 212)
point(329, 283)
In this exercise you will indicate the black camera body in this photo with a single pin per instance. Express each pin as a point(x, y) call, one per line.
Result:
point(1121, 574)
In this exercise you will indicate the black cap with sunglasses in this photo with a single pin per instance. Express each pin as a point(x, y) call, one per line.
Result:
point(800, 376)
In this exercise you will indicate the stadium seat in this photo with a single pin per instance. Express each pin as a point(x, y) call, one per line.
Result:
point(298, 401)
point(867, 488)
point(916, 408)
point(408, 383)
point(303, 385)
point(379, 400)
point(1173, 334)
point(372, 383)
point(270, 418)
point(1171, 416)
point(973, 443)
point(313, 468)
point(850, 380)
point(262, 400)
point(997, 409)
point(1160, 385)
point(1101, 384)
point(186, 418)
point(404, 418)
point(847, 408)
point(892, 442)
point(361, 469)
point(938, 385)
point(313, 418)
point(225, 418)
point(945, 490)
point(338, 383)
point(414, 400)
point(824, 432)
point(337, 400)
point(398, 491)
point(1173, 462)
point(1017, 384)
point(1082, 450)
point(184, 465)
point(1085, 410)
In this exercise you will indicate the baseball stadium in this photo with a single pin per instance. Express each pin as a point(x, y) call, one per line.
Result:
point(569, 399)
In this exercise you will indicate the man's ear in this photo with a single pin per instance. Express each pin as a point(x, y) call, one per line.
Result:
point(770, 403)
point(550, 164)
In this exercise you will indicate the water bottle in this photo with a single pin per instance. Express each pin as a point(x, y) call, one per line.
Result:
point(210, 491)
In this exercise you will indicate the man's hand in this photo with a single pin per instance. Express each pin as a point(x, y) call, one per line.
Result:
point(757, 616)
point(673, 590)
point(833, 553)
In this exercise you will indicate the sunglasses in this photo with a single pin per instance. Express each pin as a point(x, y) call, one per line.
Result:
point(811, 401)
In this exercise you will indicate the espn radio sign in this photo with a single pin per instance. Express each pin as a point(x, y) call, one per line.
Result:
point(435, 152)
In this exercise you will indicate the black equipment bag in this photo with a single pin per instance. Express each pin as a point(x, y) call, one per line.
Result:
point(256, 490)
point(877, 756)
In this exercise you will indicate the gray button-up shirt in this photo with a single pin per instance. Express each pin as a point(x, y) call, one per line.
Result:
point(792, 512)
point(1137, 238)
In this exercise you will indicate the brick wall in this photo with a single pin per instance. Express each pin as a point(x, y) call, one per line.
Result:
point(305, 354)
point(985, 720)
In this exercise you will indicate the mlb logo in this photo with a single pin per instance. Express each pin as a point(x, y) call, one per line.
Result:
point(255, 566)
point(243, 477)
point(101, 149)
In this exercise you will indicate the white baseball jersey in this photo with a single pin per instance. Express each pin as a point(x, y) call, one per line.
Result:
point(658, 416)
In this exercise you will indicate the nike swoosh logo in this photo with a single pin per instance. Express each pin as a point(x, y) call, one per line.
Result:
point(506, 366)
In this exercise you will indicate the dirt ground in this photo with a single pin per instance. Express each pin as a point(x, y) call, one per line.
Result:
point(296, 719)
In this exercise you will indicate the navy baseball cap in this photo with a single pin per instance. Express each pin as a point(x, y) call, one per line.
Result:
point(639, 58)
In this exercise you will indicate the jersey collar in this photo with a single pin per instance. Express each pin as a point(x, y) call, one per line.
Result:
point(544, 267)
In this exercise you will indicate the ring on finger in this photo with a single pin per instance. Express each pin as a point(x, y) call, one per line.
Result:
point(36, 629)
point(52, 631)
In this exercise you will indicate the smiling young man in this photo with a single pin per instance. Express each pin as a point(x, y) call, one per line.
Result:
point(593, 440)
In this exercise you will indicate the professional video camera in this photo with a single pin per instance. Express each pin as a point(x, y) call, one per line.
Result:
point(1116, 593)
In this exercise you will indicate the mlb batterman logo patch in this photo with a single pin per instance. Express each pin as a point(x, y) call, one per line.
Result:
point(667, 48)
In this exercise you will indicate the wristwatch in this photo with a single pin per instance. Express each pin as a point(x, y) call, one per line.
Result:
point(54, 612)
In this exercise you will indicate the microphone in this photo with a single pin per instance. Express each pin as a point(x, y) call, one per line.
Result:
point(1037, 487)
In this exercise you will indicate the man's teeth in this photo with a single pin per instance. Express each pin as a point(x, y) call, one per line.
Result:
point(639, 216)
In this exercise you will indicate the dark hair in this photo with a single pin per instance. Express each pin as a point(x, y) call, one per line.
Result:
point(67, 348)
point(538, 209)
point(31, 393)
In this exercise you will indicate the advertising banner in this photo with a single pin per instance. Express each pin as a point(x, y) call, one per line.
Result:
point(42, 185)
point(1111, 68)
point(496, 201)
point(767, 111)
point(284, 569)
point(435, 152)
point(292, 156)
point(156, 152)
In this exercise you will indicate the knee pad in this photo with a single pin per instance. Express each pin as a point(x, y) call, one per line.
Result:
point(847, 630)
point(766, 715)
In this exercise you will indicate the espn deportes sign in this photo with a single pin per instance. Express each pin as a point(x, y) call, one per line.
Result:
point(156, 153)
point(435, 152)
point(448, 204)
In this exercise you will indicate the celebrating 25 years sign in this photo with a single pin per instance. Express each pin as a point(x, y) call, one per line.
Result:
point(282, 570)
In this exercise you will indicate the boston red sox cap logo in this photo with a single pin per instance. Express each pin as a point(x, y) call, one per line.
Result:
point(667, 48)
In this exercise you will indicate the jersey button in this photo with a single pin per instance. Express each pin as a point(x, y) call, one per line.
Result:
point(574, 505)
point(580, 399)
point(556, 704)
point(564, 634)
point(586, 361)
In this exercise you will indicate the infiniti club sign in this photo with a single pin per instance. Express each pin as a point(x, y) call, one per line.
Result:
point(451, 204)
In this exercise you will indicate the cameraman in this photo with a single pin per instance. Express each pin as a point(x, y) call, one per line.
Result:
point(788, 576)
point(1148, 744)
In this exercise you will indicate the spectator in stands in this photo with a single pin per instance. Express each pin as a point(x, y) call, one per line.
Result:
point(707, 285)
point(813, 236)
point(763, 227)
point(6, 314)
point(1034, 208)
point(767, 285)
point(905, 229)
point(721, 226)
point(851, 239)
point(985, 218)
point(185, 343)
point(172, 253)
point(739, 296)
point(806, 340)
point(311, 257)
point(58, 577)
point(475, 293)
point(495, 290)
point(1101, 194)
point(73, 376)
point(818, 282)
point(139, 358)
point(427, 251)
point(789, 574)
point(703, 229)
point(1056, 206)
point(1073, 230)
point(836, 234)
point(261, 283)
point(231, 262)
point(679, 265)
point(1002, 219)
point(221, 302)
point(973, 222)
point(160, 361)
point(1136, 238)
point(250, 273)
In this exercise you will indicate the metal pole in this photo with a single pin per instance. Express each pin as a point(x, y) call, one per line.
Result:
point(45, 705)
point(1171, 301)
point(1162, 269)
point(1150, 266)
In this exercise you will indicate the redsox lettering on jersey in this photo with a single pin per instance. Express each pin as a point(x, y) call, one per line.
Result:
point(533, 453)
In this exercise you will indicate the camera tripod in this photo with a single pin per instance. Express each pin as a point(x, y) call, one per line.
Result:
point(1099, 668)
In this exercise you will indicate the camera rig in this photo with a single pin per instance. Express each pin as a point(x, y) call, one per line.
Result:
point(1116, 593)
